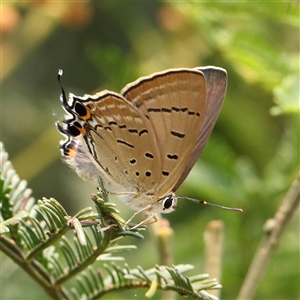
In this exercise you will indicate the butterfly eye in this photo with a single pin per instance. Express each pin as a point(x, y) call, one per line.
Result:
point(168, 203)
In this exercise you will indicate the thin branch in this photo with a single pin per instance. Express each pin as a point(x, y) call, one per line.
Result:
point(162, 234)
point(270, 241)
point(34, 269)
point(88, 261)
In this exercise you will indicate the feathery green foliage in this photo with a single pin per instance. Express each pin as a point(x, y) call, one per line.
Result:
point(34, 236)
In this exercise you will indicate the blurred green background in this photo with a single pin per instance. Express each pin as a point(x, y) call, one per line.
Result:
point(250, 160)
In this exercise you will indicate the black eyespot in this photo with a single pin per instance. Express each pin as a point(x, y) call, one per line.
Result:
point(148, 173)
point(77, 124)
point(137, 173)
point(73, 131)
point(80, 109)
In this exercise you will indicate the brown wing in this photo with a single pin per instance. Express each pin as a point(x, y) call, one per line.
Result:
point(123, 142)
point(174, 102)
point(216, 84)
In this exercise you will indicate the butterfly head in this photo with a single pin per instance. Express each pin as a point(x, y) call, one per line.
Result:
point(167, 204)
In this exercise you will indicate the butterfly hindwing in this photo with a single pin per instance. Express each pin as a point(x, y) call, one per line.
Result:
point(119, 138)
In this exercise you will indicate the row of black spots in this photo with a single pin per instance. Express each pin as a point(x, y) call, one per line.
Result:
point(178, 134)
point(185, 109)
point(153, 109)
point(167, 110)
point(147, 154)
point(173, 108)
point(123, 126)
point(172, 156)
point(102, 127)
point(179, 109)
point(111, 123)
point(165, 173)
point(108, 128)
point(193, 113)
point(125, 143)
point(140, 133)
point(147, 173)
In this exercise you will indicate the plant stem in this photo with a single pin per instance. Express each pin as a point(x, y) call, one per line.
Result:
point(270, 241)
point(162, 234)
point(33, 268)
point(214, 240)
point(86, 262)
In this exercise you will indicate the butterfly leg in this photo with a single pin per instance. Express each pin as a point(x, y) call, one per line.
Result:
point(106, 227)
point(103, 191)
point(137, 213)
point(144, 221)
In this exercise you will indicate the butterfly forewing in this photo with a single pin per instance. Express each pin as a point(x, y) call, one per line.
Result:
point(174, 103)
point(216, 84)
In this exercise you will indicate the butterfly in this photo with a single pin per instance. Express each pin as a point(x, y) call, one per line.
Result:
point(143, 141)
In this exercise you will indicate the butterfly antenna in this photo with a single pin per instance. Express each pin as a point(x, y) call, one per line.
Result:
point(63, 94)
point(211, 204)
